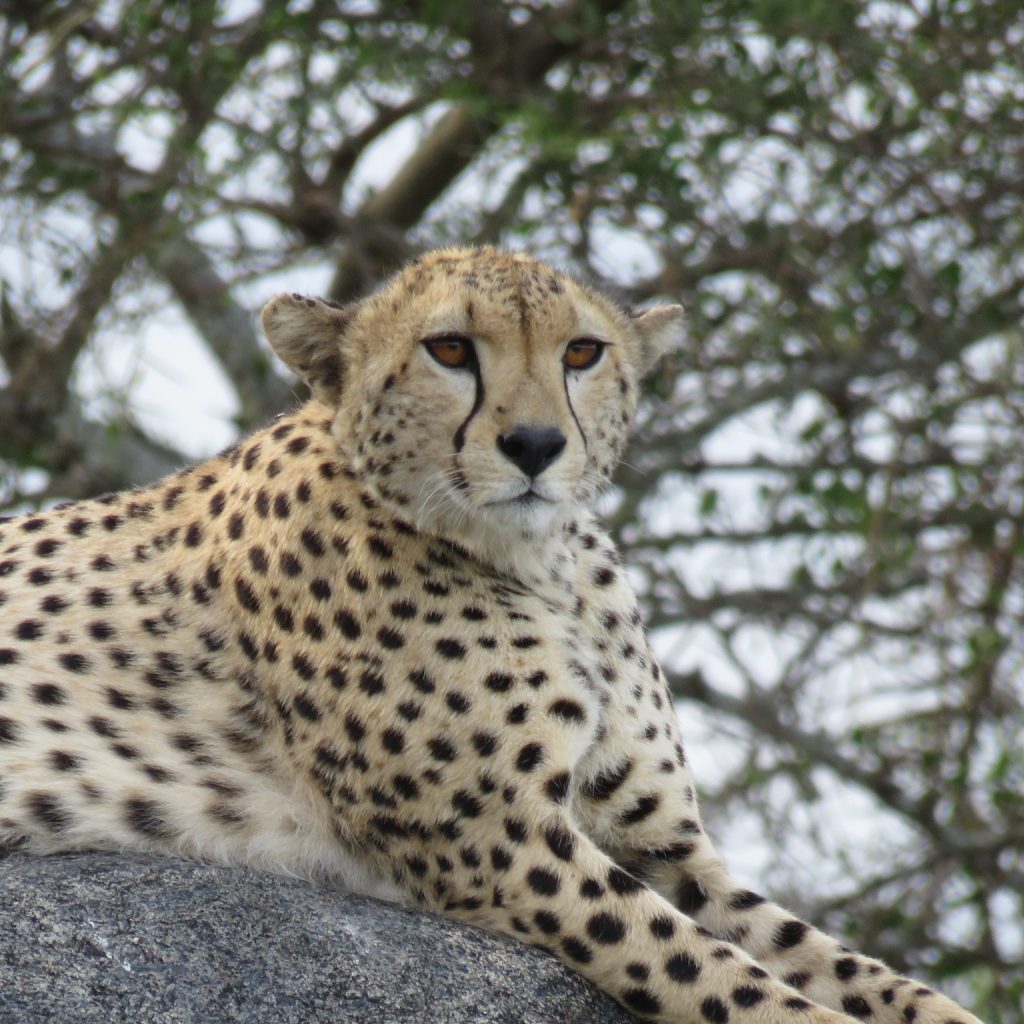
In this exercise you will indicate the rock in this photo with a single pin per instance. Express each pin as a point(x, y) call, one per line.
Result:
point(108, 938)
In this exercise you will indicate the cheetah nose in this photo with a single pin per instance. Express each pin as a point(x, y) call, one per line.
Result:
point(532, 449)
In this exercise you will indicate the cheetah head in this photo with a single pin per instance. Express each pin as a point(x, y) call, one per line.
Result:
point(484, 392)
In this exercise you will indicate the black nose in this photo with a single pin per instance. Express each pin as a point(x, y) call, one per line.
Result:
point(532, 449)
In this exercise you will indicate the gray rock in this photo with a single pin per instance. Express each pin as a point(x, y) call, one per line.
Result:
point(103, 938)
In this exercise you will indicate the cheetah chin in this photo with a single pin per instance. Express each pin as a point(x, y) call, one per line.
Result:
point(384, 644)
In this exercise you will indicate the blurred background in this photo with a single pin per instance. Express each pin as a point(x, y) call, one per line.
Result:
point(823, 503)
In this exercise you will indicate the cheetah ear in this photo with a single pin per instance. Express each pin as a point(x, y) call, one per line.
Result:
point(661, 328)
point(307, 334)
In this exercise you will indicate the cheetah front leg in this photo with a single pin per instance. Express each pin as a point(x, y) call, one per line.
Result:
point(552, 886)
point(647, 819)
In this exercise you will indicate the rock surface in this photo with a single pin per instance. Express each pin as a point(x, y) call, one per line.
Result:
point(103, 938)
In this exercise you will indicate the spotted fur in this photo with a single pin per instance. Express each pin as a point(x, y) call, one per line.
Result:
point(383, 644)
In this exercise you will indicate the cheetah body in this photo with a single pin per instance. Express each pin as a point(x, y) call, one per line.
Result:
point(384, 644)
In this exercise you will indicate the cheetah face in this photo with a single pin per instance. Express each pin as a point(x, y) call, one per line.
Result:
point(484, 392)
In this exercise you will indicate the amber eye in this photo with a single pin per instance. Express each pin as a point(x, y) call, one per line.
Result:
point(451, 350)
point(583, 353)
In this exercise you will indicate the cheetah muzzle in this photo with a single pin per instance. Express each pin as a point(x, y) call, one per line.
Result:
point(384, 644)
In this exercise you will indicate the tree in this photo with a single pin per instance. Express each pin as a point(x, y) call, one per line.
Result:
point(824, 501)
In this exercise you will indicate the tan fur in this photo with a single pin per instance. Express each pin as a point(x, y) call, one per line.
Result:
point(355, 648)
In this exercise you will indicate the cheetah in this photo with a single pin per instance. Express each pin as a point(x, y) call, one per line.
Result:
point(385, 644)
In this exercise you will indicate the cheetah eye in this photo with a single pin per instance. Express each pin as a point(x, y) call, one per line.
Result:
point(451, 350)
point(583, 353)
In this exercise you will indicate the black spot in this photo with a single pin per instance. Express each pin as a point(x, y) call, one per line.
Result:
point(529, 757)
point(371, 682)
point(796, 1003)
point(258, 559)
point(547, 922)
point(642, 1001)
point(470, 857)
point(858, 1006)
point(557, 787)
point(347, 623)
point(248, 645)
point(73, 662)
point(47, 809)
point(357, 581)
point(406, 787)
point(543, 882)
point(517, 714)
point(623, 883)
point(790, 934)
point(193, 535)
point(64, 762)
point(8, 731)
point(691, 897)
point(484, 743)
point(303, 666)
point(284, 618)
point(246, 596)
point(381, 548)
point(403, 609)
point(337, 677)
point(422, 681)
point(662, 927)
point(606, 928)
point(747, 996)
point(569, 710)
point(638, 972)
point(305, 706)
point(441, 750)
point(499, 682)
point(390, 638)
point(680, 967)
point(393, 740)
point(525, 642)
point(466, 804)
point(714, 1011)
point(290, 565)
point(354, 728)
point(576, 950)
point(846, 968)
point(604, 784)
point(744, 900)
point(458, 702)
point(312, 542)
point(29, 629)
point(101, 630)
point(515, 830)
point(561, 842)
point(146, 817)
point(320, 589)
point(450, 648)
point(590, 889)
point(49, 694)
point(643, 808)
